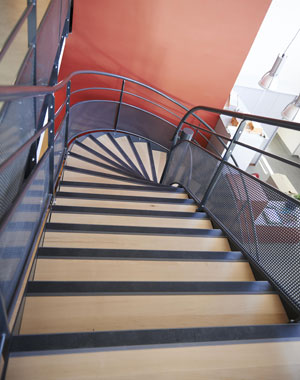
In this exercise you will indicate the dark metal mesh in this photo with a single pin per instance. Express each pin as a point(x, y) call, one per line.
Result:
point(16, 127)
point(59, 146)
point(191, 167)
point(145, 124)
point(265, 222)
point(91, 115)
point(17, 236)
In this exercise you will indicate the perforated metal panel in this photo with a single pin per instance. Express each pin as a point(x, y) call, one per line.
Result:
point(266, 224)
point(17, 236)
point(59, 145)
point(191, 167)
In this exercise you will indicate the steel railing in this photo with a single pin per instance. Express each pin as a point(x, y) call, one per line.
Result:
point(260, 220)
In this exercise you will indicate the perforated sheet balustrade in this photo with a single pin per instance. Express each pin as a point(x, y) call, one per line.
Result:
point(265, 222)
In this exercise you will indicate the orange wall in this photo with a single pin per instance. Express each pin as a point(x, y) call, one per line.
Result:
point(192, 50)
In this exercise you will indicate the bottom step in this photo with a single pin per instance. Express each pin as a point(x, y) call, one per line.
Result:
point(267, 361)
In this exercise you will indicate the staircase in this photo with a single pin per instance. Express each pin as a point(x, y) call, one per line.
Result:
point(132, 282)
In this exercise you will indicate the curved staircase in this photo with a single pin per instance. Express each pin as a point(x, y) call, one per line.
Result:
point(132, 282)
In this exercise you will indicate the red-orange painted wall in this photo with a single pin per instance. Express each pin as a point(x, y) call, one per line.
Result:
point(192, 50)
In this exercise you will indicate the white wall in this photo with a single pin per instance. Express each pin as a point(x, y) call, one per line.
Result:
point(278, 28)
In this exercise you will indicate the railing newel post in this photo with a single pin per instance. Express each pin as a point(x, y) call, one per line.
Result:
point(51, 134)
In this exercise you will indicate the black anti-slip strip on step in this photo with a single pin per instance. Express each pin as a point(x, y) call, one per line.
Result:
point(138, 158)
point(136, 254)
point(121, 150)
point(105, 175)
point(151, 159)
point(129, 212)
point(110, 153)
point(141, 339)
point(106, 159)
point(155, 188)
point(77, 288)
point(124, 198)
point(104, 166)
point(129, 230)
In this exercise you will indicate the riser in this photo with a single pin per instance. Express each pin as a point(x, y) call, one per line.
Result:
point(127, 205)
point(265, 361)
point(129, 220)
point(172, 243)
point(139, 193)
point(105, 313)
point(130, 270)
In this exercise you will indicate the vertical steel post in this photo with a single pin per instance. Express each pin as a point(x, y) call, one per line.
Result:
point(31, 37)
point(119, 105)
point(4, 336)
point(226, 157)
point(51, 142)
point(31, 34)
point(68, 95)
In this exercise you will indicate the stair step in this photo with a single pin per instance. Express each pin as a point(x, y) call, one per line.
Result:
point(159, 206)
point(124, 154)
point(135, 230)
point(142, 149)
point(264, 352)
point(73, 173)
point(85, 151)
point(107, 306)
point(133, 192)
point(125, 145)
point(160, 159)
point(124, 198)
point(83, 163)
point(78, 253)
point(97, 145)
point(138, 158)
point(126, 220)
point(122, 241)
point(132, 212)
point(138, 270)
point(151, 187)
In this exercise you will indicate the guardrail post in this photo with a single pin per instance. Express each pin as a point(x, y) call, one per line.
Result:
point(4, 334)
point(119, 106)
point(31, 34)
point(68, 95)
point(51, 143)
point(226, 157)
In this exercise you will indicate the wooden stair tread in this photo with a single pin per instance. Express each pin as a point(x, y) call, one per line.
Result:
point(142, 150)
point(140, 193)
point(105, 313)
point(125, 220)
point(268, 361)
point(86, 240)
point(124, 204)
point(124, 144)
point(132, 270)
point(160, 161)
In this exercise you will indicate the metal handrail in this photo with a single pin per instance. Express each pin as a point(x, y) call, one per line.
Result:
point(265, 120)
